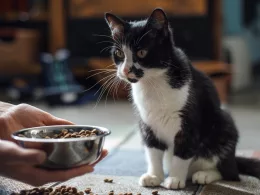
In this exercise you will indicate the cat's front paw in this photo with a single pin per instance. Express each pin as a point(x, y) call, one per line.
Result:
point(206, 177)
point(174, 183)
point(147, 180)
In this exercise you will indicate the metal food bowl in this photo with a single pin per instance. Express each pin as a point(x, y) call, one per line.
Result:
point(64, 153)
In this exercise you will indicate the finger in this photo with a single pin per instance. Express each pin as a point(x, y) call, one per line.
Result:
point(57, 121)
point(103, 155)
point(16, 155)
point(36, 176)
point(59, 176)
point(29, 174)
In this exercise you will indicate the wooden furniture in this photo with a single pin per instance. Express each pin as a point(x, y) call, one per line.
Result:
point(57, 26)
point(83, 8)
point(19, 56)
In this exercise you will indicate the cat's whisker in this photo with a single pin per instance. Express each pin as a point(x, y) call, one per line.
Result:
point(113, 64)
point(105, 42)
point(119, 43)
point(117, 47)
point(106, 69)
point(104, 88)
point(104, 84)
point(103, 36)
point(98, 82)
point(116, 89)
point(100, 72)
point(108, 47)
point(113, 90)
point(111, 87)
point(103, 69)
point(114, 44)
point(143, 36)
point(114, 39)
point(118, 85)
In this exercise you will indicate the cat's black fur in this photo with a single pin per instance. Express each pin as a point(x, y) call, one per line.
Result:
point(206, 129)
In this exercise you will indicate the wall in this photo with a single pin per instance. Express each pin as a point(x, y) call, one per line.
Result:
point(232, 17)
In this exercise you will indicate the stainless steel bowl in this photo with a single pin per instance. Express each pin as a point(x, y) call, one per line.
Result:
point(63, 153)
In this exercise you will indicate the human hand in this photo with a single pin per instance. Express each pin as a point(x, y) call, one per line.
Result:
point(14, 118)
point(18, 163)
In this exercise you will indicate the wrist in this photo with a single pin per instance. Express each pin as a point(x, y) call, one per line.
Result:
point(4, 107)
point(3, 127)
point(4, 133)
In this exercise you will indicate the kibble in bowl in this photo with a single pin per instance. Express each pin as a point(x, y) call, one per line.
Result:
point(66, 146)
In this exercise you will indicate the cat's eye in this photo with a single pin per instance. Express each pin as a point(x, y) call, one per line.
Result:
point(142, 53)
point(119, 53)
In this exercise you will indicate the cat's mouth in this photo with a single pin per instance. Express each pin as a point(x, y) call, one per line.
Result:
point(132, 75)
point(132, 80)
point(129, 78)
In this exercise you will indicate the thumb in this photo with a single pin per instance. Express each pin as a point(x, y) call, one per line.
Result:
point(13, 154)
point(57, 121)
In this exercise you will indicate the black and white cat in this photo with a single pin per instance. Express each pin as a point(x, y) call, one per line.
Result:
point(180, 112)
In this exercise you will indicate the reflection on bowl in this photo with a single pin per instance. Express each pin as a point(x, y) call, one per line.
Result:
point(64, 153)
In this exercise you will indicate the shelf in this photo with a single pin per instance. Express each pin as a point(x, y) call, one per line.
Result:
point(15, 18)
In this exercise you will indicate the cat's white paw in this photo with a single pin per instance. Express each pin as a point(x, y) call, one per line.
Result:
point(147, 180)
point(174, 183)
point(206, 177)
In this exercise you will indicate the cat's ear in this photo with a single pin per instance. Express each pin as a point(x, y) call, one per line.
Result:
point(115, 24)
point(158, 20)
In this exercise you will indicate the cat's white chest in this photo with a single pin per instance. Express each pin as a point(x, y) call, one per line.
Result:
point(159, 105)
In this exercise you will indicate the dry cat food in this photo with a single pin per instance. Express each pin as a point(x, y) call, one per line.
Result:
point(65, 133)
point(67, 190)
point(62, 190)
point(155, 192)
point(88, 190)
point(108, 180)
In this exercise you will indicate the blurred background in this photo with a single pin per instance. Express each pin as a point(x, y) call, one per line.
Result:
point(55, 55)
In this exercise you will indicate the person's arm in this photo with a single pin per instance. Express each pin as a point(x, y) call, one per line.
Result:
point(4, 107)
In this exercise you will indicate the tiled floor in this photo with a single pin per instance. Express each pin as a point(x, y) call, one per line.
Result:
point(119, 117)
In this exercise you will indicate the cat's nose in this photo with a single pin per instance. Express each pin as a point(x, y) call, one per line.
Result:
point(126, 71)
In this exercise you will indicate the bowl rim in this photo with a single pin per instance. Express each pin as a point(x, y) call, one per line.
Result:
point(41, 140)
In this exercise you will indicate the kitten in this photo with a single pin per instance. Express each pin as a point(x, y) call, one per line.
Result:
point(180, 112)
